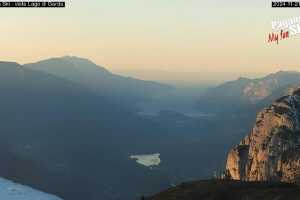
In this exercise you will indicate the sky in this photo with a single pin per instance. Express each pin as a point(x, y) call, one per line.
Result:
point(179, 40)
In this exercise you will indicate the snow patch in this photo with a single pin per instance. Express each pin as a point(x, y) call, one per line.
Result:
point(147, 160)
point(13, 191)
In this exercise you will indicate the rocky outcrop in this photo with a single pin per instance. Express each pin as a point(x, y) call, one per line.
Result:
point(272, 150)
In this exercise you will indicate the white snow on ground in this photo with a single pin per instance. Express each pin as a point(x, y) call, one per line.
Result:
point(147, 160)
point(13, 191)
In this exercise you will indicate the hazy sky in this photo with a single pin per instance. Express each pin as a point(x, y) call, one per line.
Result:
point(145, 37)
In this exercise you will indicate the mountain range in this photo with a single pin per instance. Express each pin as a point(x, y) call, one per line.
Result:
point(245, 92)
point(70, 126)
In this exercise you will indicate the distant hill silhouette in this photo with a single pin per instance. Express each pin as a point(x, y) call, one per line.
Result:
point(99, 80)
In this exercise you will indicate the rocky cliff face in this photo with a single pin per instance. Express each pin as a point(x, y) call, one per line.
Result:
point(272, 150)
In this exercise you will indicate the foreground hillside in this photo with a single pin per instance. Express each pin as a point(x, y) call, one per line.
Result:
point(230, 190)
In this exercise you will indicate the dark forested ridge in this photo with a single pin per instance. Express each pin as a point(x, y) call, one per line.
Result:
point(229, 190)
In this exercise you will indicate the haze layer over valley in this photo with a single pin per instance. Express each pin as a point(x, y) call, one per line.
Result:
point(70, 127)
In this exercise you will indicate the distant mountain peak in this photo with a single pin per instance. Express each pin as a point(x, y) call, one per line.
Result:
point(76, 59)
point(97, 79)
point(68, 62)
